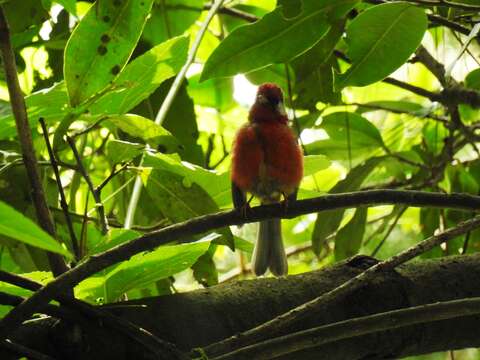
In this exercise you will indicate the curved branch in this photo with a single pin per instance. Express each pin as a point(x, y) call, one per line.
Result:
point(300, 313)
point(389, 320)
point(213, 221)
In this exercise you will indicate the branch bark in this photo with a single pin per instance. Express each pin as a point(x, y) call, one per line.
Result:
point(57, 263)
point(205, 316)
point(209, 222)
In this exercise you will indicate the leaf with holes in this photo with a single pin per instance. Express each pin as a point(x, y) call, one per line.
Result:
point(380, 40)
point(101, 45)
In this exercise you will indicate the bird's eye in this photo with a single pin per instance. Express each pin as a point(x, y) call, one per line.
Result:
point(262, 99)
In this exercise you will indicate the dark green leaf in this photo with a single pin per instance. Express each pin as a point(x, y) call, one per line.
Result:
point(25, 14)
point(204, 270)
point(101, 45)
point(171, 18)
point(275, 73)
point(69, 5)
point(15, 225)
point(472, 80)
point(380, 40)
point(274, 38)
point(349, 238)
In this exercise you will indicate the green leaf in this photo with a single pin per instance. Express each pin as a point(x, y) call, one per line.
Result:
point(347, 130)
point(179, 199)
point(218, 186)
point(23, 15)
point(328, 221)
point(314, 163)
point(142, 76)
point(214, 93)
point(349, 238)
point(171, 18)
point(50, 103)
point(17, 226)
point(274, 38)
point(380, 40)
point(204, 269)
point(472, 80)
point(143, 128)
point(275, 73)
point(143, 269)
point(101, 45)
point(313, 71)
point(120, 151)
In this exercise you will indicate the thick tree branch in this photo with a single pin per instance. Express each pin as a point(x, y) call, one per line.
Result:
point(300, 313)
point(209, 222)
point(314, 337)
point(17, 102)
point(195, 319)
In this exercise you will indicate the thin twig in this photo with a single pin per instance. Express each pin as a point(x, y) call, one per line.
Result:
point(57, 263)
point(63, 200)
point(389, 231)
point(98, 201)
point(206, 223)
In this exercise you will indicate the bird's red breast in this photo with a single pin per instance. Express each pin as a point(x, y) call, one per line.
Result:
point(267, 160)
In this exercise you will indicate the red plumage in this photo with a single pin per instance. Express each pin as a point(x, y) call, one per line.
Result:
point(267, 161)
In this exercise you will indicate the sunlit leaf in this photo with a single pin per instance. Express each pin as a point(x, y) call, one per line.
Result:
point(349, 238)
point(101, 45)
point(380, 40)
point(254, 46)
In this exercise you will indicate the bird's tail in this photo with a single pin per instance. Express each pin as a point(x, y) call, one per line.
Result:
point(269, 251)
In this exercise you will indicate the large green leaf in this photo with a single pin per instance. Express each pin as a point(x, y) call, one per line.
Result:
point(274, 38)
point(142, 270)
point(380, 40)
point(17, 226)
point(328, 221)
point(216, 185)
point(349, 238)
point(101, 45)
point(171, 18)
point(314, 163)
point(143, 128)
point(472, 80)
point(313, 71)
point(142, 76)
point(349, 135)
point(179, 199)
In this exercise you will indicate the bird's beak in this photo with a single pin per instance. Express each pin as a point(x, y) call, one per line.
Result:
point(281, 108)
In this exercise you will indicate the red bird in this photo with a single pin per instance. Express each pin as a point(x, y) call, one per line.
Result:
point(268, 163)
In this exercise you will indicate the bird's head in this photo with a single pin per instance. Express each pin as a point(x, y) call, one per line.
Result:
point(268, 106)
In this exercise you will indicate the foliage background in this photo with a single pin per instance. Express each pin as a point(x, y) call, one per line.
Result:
point(100, 72)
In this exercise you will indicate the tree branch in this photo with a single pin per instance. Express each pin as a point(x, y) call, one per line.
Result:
point(321, 335)
point(300, 313)
point(57, 263)
point(209, 222)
